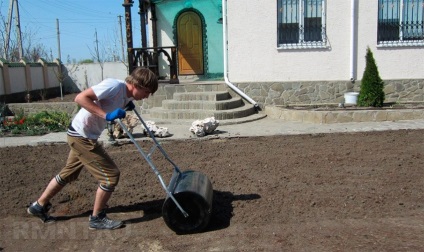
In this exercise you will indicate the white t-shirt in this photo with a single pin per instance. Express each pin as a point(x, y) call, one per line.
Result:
point(111, 94)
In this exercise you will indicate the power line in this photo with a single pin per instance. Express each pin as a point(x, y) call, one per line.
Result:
point(13, 4)
point(72, 7)
point(77, 19)
point(122, 39)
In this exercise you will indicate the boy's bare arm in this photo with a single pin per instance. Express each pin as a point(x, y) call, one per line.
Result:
point(86, 100)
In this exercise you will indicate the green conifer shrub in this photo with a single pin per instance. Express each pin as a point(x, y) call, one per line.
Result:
point(372, 86)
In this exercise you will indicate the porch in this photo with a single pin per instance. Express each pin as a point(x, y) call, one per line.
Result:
point(194, 99)
point(188, 96)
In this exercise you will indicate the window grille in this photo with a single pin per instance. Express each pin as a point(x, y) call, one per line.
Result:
point(301, 24)
point(400, 22)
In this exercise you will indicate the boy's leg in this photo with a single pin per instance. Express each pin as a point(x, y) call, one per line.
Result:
point(51, 190)
point(99, 220)
point(101, 200)
point(102, 167)
point(40, 207)
point(69, 173)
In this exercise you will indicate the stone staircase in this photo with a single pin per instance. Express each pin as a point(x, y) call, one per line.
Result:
point(200, 101)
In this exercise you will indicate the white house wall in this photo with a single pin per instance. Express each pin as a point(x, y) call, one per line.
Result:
point(164, 23)
point(392, 62)
point(253, 55)
point(164, 33)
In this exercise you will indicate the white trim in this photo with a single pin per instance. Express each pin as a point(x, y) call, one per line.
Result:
point(314, 45)
point(353, 46)
point(225, 40)
point(400, 43)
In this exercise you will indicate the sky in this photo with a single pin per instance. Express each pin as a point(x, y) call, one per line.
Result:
point(79, 20)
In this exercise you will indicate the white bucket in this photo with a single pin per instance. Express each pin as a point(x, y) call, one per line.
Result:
point(351, 97)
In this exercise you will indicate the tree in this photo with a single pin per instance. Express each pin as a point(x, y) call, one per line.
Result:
point(31, 51)
point(372, 86)
point(62, 74)
point(98, 55)
point(86, 61)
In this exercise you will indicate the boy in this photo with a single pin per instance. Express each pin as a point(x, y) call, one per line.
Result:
point(100, 103)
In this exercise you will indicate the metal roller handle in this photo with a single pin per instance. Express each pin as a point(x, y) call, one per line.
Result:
point(157, 144)
point(149, 161)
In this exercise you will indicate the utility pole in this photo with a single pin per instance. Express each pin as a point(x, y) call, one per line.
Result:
point(13, 4)
point(97, 46)
point(9, 24)
point(58, 40)
point(18, 30)
point(60, 74)
point(122, 39)
point(100, 60)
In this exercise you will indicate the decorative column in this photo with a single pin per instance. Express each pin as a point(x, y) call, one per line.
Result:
point(28, 80)
point(130, 50)
point(6, 76)
point(143, 22)
point(45, 72)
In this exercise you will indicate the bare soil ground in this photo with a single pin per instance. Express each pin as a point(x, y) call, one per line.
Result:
point(321, 192)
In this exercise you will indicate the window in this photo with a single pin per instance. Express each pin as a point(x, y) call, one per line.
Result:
point(301, 23)
point(400, 22)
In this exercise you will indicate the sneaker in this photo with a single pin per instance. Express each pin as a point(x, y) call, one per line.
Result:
point(40, 211)
point(101, 221)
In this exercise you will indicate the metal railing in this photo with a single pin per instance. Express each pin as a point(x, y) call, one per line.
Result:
point(400, 21)
point(301, 22)
point(149, 57)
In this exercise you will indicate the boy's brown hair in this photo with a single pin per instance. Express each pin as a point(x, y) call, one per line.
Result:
point(143, 77)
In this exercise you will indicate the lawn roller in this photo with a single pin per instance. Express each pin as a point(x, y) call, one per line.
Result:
point(188, 204)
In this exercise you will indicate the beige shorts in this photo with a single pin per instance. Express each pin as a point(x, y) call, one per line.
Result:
point(91, 155)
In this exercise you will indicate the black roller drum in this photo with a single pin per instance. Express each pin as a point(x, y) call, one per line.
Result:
point(193, 191)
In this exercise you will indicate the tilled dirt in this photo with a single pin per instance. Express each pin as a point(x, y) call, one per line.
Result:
point(321, 192)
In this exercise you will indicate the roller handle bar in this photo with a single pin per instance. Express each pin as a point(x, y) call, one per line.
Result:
point(149, 161)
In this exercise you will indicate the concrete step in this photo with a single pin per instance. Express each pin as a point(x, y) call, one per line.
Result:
point(165, 121)
point(200, 114)
point(202, 96)
point(231, 103)
point(197, 101)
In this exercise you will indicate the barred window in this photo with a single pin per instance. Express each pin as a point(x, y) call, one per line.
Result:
point(400, 22)
point(301, 23)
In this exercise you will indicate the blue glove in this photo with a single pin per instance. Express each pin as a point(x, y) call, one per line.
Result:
point(117, 113)
point(130, 106)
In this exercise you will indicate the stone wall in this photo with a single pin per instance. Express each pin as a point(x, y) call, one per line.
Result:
point(265, 94)
point(404, 90)
point(33, 108)
point(295, 93)
point(342, 115)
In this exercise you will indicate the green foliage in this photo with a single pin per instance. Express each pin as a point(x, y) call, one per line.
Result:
point(372, 86)
point(86, 61)
point(37, 124)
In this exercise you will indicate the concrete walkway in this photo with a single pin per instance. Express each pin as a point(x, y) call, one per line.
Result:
point(179, 129)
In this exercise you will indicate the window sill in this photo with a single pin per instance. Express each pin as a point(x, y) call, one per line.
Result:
point(302, 46)
point(386, 44)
